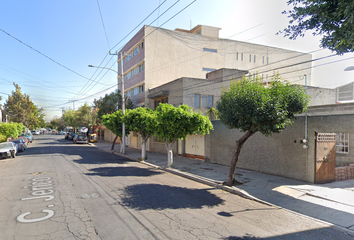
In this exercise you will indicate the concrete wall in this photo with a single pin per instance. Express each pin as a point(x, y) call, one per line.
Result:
point(283, 154)
point(280, 154)
point(321, 96)
point(170, 55)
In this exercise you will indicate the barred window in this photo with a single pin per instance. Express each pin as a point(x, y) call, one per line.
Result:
point(342, 143)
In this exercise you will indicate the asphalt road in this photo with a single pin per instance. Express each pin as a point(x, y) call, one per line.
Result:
point(59, 190)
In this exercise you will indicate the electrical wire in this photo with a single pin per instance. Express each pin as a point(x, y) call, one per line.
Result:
point(104, 28)
point(44, 55)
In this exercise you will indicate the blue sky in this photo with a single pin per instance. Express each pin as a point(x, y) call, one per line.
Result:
point(61, 38)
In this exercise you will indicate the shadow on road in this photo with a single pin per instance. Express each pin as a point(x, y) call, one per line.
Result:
point(159, 197)
point(123, 172)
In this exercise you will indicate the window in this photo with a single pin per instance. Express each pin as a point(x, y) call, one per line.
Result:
point(136, 91)
point(241, 56)
point(203, 101)
point(129, 56)
point(129, 75)
point(209, 69)
point(263, 60)
point(267, 60)
point(141, 46)
point(129, 94)
point(250, 57)
point(342, 143)
point(135, 51)
point(345, 93)
point(141, 88)
point(141, 67)
point(160, 100)
point(209, 50)
point(254, 58)
point(236, 56)
point(135, 71)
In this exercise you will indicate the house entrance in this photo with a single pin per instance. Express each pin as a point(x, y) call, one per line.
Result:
point(195, 146)
point(325, 157)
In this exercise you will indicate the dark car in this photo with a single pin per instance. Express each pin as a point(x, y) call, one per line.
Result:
point(80, 138)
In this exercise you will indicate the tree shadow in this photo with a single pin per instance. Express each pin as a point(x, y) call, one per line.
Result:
point(159, 197)
point(123, 172)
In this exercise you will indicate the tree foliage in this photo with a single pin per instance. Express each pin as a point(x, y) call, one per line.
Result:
point(57, 123)
point(334, 20)
point(10, 130)
point(86, 116)
point(250, 106)
point(21, 109)
point(114, 123)
point(177, 122)
point(70, 118)
point(110, 103)
point(143, 121)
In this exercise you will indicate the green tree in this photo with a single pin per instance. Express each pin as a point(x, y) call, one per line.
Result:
point(110, 103)
point(58, 123)
point(175, 123)
point(86, 116)
point(143, 121)
point(70, 118)
point(333, 20)
point(21, 109)
point(11, 130)
point(114, 123)
point(250, 106)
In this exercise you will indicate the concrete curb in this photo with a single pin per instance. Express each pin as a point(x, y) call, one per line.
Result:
point(233, 190)
point(196, 178)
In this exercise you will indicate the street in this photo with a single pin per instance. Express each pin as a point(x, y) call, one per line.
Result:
point(60, 190)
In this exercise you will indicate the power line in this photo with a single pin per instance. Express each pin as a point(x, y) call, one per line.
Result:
point(104, 28)
point(44, 55)
point(139, 24)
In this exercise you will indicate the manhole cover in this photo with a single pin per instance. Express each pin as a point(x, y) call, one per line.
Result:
point(88, 195)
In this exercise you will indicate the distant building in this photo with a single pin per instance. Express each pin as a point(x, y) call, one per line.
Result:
point(155, 56)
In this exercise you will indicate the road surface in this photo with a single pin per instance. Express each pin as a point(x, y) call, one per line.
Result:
point(60, 190)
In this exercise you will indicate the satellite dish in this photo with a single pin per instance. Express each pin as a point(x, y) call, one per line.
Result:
point(350, 68)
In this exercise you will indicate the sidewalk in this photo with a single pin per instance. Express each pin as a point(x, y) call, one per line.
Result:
point(331, 202)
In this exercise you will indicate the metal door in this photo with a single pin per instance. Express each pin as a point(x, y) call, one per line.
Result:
point(325, 157)
point(195, 146)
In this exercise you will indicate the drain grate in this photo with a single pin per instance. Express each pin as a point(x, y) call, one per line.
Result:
point(88, 195)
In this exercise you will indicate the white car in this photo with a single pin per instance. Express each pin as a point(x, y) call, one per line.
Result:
point(8, 149)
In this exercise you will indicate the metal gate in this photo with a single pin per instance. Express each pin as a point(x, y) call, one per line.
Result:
point(325, 157)
point(195, 146)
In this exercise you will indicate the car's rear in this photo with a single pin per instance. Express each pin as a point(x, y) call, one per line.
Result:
point(81, 139)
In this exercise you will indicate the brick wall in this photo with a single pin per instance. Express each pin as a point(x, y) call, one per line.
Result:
point(345, 173)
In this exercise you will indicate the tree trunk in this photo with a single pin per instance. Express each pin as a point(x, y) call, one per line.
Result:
point(143, 149)
point(169, 154)
point(114, 142)
point(239, 143)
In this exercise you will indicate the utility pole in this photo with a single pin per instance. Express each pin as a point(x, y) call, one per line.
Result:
point(73, 101)
point(122, 148)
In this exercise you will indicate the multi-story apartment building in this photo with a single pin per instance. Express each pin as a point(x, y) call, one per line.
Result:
point(155, 56)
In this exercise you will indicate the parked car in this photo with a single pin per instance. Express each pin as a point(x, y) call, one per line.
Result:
point(80, 138)
point(28, 135)
point(24, 138)
point(71, 136)
point(21, 144)
point(8, 149)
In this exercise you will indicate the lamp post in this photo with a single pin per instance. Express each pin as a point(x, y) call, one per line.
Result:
point(122, 150)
